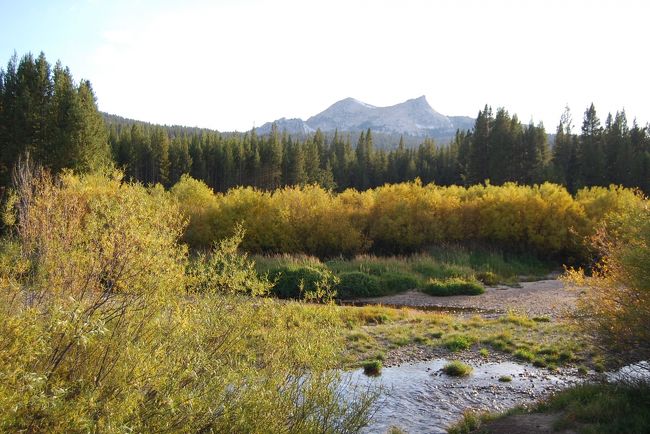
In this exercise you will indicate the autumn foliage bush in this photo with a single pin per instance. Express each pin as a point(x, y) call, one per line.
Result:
point(402, 218)
point(615, 307)
point(106, 327)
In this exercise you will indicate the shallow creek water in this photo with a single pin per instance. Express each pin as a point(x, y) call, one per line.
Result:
point(419, 398)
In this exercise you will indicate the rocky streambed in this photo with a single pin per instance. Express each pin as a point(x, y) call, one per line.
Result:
point(419, 398)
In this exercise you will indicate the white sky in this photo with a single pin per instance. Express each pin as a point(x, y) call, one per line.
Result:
point(230, 65)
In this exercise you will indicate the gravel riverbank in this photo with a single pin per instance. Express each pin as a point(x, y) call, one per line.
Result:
point(541, 298)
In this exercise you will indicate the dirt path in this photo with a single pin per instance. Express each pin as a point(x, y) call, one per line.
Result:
point(542, 298)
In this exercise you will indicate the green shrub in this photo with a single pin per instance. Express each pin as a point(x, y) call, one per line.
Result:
point(505, 379)
point(357, 284)
point(393, 282)
point(288, 280)
point(372, 368)
point(458, 342)
point(488, 278)
point(303, 282)
point(454, 286)
point(225, 270)
point(457, 368)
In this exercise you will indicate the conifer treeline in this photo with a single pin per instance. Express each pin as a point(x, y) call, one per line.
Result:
point(44, 112)
point(499, 148)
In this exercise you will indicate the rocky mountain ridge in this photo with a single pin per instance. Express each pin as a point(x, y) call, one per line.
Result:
point(412, 118)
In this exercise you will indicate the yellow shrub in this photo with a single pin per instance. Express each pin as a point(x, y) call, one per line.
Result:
point(263, 223)
point(615, 305)
point(404, 217)
point(110, 233)
point(318, 222)
point(98, 335)
point(199, 204)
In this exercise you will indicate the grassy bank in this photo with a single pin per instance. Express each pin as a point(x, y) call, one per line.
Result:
point(371, 332)
point(589, 408)
point(447, 270)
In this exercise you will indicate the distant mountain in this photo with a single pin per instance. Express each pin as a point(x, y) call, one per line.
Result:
point(293, 126)
point(413, 118)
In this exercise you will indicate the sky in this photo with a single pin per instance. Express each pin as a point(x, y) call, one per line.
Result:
point(231, 65)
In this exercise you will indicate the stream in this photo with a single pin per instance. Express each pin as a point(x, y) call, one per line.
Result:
point(419, 398)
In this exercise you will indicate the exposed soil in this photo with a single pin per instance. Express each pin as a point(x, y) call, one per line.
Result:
point(541, 298)
point(532, 423)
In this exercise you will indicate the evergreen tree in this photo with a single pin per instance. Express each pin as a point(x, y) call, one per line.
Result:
point(311, 157)
point(478, 161)
point(462, 142)
point(297, 173)
point(228, 166)
point(93, 149)
point(199, 169)
point(503, 149)
point(44, 113)
point(180, 159)
point(640, 144)
point(591, 155)
point(563, 149)
point(160, 147)
point(618, 150)
point(362, 166)
point(342, 160)
point(271, 160)
point(536, 155)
